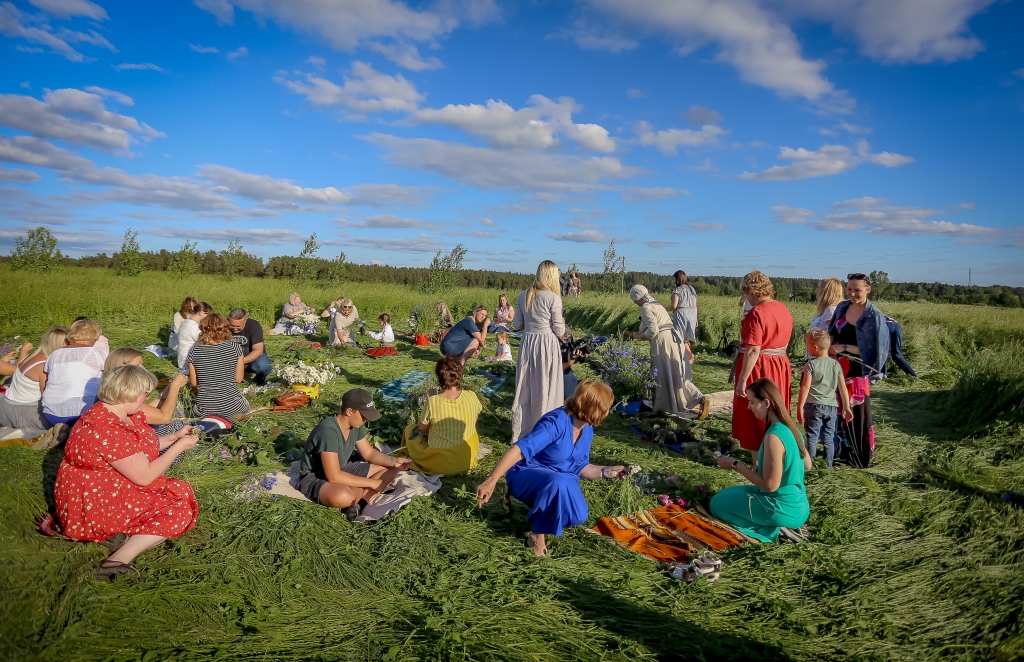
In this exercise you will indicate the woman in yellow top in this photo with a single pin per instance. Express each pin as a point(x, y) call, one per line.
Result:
point(445, 440)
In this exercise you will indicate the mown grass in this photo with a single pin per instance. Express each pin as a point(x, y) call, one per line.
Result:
point(917, 558)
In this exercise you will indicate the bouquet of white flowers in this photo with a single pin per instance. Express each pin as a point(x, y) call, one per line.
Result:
point(308, 374)
point(308, 322)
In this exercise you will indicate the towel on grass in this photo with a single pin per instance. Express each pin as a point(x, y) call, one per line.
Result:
point(496, 383)
point(397, 389)
point(669, 534)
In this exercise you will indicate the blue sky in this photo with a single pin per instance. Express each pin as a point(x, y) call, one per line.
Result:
point(803, 137)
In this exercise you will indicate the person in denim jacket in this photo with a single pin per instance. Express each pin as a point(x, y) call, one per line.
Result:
point(860, 341)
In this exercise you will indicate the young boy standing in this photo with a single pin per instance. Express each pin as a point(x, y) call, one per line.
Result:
point(817, 407)
point(327, 475)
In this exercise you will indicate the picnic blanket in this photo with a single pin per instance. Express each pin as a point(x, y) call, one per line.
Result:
point(670, 533)
point(397, 389)
point(407, 484)
point(497, 381)
point(721, 403)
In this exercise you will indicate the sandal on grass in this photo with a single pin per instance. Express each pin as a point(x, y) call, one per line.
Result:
point(115, 542)
point(109, 569)
point(686, 572)
point(709, 558)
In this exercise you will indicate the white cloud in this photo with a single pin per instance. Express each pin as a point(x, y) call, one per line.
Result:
point(702, 115)
point(583, 237)
point(366, 90)
point(347, 24)
point(705, 227)
point(1019, 73)
point(660, 244)
point(141, 66)
point(761, 47)
point(316, 61)
point(668, 141)
point(502, 169)
point(203, 49)
point(705, 166)
point(266, 189)
point(420, 244)
point(250, 236)
point(17, 176)
point(633, 193)
point(379, 195)
point(854, 128)
point(594, 37)
point(122, 99)
point(534, 126)
point(65, 9)
point(76, 117)
point(241, 51)
point(636, 94)
point(406, 56)
point(792, 215)
point(385, 221)
point(826, 160)
point(34, 29)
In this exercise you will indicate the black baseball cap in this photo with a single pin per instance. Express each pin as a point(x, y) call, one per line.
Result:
point(360, 400)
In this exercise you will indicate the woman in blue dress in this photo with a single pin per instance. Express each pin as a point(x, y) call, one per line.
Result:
point(544, 468)
point(468, 337)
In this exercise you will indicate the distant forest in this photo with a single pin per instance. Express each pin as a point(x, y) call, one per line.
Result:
point(798, 289)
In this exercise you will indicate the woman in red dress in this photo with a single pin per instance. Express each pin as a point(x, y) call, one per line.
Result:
point(112, 480)
point(764, 337)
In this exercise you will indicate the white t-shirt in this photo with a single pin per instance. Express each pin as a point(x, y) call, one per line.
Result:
point(385, 335)
point(822, 321)
point(503, 352)
point(172, 340)
point(188, 335)
point(73, 378)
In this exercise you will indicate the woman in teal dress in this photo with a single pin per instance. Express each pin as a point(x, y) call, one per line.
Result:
point(777, 497)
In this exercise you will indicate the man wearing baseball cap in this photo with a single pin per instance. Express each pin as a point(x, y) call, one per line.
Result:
point(327, 475)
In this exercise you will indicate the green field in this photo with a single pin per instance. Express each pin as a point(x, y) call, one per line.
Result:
point(917, 558)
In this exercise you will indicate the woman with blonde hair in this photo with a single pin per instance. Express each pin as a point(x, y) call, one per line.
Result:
point(777, 497)
point(764, 339)
point(159, 411)
point(539, 380)
point(286, 325)
point(20, 407)
point(71, 374)
point(111, 485)
point(343, 324)
point(544, 468)
point(828, 294)
point(215, 366)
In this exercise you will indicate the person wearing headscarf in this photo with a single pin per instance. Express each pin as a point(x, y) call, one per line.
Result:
point(674, 390)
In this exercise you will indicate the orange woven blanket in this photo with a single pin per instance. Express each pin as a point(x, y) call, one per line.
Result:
point(668, 534)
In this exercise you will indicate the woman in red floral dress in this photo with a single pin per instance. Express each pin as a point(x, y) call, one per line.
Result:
point(764, 338)
point(112, 480)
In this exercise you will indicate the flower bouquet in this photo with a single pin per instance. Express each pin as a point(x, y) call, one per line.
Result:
point(308, 322)
point(627, 370)
point(308, 377)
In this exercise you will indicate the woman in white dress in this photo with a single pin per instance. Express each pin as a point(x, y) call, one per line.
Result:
point(684, 310)
point(539, 382)
point(674, 391)
point(188, 332)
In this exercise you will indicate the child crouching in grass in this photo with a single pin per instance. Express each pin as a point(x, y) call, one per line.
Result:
point(503, 352)
point(327, 475)
point(386, 335)
point(817, 407)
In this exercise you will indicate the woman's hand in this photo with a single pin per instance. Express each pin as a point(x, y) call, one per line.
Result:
point(401, 463)
point(187, 442)
point(618, 471)
point(847, 412)
point(799, 414)
point(484, 491)
point(833, 349)
point(740, 390)
point(178, 381)
point(25, 349)
point(184, 432)
point(726, 462)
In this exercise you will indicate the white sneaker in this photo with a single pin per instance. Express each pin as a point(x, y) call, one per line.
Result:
point(11, 433)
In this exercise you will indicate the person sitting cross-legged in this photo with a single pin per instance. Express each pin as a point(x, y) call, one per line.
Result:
point(544, 468)
point(327, 475)
point(248, 335)
point(445, 440)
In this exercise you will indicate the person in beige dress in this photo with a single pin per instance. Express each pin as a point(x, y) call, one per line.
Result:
point(675, 391)
point(539, 379)
point(344, 324)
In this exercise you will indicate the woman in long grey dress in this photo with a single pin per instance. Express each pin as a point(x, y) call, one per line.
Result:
point(539, 381)
point(684, 310)
point(674, 391)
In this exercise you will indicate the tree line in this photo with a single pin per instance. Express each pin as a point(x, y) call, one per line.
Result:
point(38, 251)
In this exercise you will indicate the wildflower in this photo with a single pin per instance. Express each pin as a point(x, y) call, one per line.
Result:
point(224, 453)
point(664, 499)
point(671, 481)
point(681, 503)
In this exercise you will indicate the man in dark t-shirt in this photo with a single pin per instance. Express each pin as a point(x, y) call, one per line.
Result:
point(327, 475)
point(248, 335)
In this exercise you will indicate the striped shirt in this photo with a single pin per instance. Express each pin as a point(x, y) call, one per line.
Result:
point(452, 422)
point(215, 373)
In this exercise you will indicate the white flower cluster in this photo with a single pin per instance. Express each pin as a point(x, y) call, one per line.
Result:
point(308, 322)
point(303, 373)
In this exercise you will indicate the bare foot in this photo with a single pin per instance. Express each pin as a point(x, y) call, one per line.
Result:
point(536, 541)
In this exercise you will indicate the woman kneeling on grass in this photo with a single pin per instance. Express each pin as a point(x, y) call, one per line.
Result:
point(544, 468)
point(445, 440)
point(777, 497)
point(327, 475)
point(111, 483)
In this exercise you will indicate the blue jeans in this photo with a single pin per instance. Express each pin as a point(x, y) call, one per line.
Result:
point(261, 367)
point(67, 420)
point(494, 328)
point(820, 425)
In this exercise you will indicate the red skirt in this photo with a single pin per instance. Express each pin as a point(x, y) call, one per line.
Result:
point(381, 352)
point(746, 428)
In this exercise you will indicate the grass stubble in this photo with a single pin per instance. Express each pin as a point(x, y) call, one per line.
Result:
point(917, 558)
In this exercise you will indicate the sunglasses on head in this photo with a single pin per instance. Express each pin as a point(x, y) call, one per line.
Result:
point(862, 277)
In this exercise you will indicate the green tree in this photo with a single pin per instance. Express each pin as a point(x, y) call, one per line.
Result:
point(233, 259)
point(183, 261)
point(308, 265)
point(614, 270)
point(36, 252)
point(444, 271)
point(129, 260)
point(881, 288)
point(337, 269)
